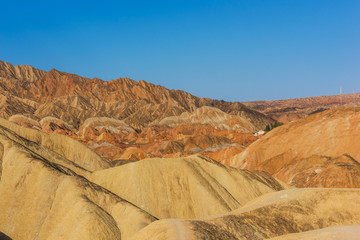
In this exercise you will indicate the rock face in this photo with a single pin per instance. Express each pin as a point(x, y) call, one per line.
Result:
point(318, 151)
point(289, 110)
point(192, 187)
point(272, 215)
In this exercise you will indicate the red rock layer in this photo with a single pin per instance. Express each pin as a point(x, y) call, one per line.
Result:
point(321, 150)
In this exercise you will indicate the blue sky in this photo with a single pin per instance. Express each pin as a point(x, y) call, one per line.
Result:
point(232, 50)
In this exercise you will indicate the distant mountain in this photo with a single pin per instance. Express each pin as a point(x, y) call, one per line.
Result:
point(125, 119)
point(72, 98)
point(288, 110)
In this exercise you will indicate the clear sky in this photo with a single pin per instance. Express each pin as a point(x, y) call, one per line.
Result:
point(237, 50)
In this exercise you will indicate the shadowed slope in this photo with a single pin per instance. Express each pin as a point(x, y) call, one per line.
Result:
point(330, 233)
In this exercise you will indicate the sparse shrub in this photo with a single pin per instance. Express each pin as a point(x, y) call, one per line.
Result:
point(273, 125)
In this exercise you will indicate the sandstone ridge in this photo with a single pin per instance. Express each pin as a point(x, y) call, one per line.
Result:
point(271, 215)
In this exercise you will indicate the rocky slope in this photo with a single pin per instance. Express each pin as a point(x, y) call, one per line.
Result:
point(321, 150)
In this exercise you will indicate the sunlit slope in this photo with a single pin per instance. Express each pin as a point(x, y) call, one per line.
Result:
point(321, 150)
point(190, 187)
point(42, 198)
point(271, 215)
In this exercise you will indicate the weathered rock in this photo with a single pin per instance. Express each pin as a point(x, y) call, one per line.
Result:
point(55, 125)
point(25, 121)
point(306, 153)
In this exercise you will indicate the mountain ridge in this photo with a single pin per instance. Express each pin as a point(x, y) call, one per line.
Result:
point(49, 87)
point(288, 110)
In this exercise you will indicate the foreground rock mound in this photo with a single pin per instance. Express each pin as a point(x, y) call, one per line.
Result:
point(321, 150)
point(44, 195)
point(272, 215)
point(191, 187)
